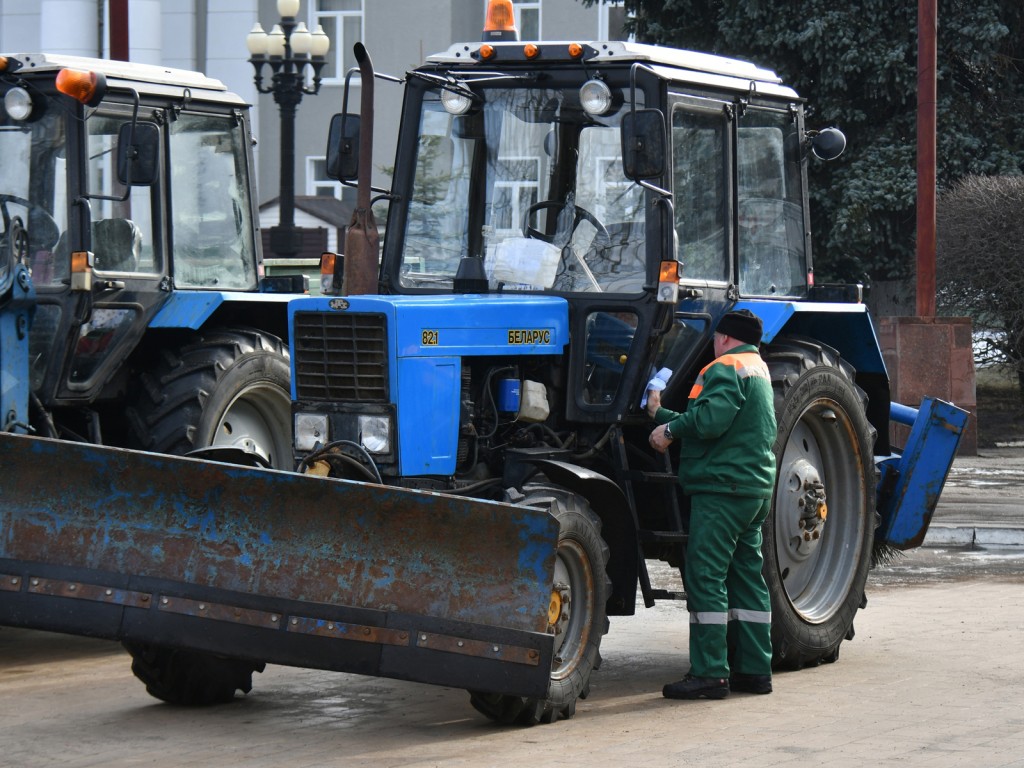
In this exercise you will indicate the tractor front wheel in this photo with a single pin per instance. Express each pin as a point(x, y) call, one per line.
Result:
point(577, 616)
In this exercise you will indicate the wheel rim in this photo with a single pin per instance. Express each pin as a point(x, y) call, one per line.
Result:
point(258, 421)
point(819, 502)
point(573, 592)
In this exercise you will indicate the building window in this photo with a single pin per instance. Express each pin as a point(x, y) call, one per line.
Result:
point(611, 21)
point(342, 20)
point(318, 184)
point(528, 18)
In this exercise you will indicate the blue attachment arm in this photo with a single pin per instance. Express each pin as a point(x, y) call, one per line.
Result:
point(910, 483)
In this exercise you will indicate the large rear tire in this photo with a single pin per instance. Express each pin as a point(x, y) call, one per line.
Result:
point(818, 537)
point(578, 615)
point(225, 389)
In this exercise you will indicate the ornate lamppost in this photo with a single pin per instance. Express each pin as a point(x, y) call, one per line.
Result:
point(289, 48)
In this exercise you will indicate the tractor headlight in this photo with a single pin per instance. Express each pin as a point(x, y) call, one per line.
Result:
point(456, 102)
point(18, 104)
point(375, 433)
point(595, 97)
point(310, 429)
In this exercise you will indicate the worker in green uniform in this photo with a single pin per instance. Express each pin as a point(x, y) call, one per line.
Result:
point(727, 468)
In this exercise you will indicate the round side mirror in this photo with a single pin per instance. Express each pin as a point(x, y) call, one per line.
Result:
point(828, 144)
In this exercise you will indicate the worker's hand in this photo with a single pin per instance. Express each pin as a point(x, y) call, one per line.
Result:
point(653, 402)
point(658, 440)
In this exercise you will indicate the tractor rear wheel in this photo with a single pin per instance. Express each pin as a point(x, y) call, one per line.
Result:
point(578, 617)
point(225, 389)
point(228, 388)
point(818, 537)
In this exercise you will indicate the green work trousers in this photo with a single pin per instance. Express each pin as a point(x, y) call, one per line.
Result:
point(725, 590)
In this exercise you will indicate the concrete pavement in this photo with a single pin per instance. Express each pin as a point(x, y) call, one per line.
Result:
point(982, 503)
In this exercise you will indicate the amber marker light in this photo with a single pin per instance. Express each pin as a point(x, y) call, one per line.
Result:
point(530, 51)
point(486, 51)
point(85, 87)
point(575, 50)
point(668, 282)
point(328, 263)
point(81, 270)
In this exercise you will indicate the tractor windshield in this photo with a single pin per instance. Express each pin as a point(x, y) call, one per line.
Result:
point(532, 184)
point(32, 179)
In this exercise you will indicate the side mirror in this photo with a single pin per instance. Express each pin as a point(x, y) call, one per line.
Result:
point(827, 144)
point(343, 148)
point(643, 144)
point(138, 154)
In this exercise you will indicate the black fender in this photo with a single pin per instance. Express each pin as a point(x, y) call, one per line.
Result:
point(617, 526)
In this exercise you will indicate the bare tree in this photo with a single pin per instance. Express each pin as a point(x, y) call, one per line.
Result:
point(980, 264)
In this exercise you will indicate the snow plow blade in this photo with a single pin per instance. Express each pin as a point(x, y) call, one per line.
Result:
point(274, 566)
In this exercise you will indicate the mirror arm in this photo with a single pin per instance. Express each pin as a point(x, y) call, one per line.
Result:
point(131, 143)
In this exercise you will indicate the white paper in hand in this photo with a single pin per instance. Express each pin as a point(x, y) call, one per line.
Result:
point(657, 383)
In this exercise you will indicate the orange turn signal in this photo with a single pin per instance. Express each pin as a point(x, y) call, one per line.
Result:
point(81, 270)
point(669, 272)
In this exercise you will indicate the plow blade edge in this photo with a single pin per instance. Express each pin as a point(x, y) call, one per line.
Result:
point(274, 566)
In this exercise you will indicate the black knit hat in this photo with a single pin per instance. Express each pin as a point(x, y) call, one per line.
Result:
point(743, 325)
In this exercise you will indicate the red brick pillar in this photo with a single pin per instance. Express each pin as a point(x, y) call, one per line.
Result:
point(931, 357)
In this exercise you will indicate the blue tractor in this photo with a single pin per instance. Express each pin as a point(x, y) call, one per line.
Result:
point(566, 221)
point(474, 494)
point(126, 193)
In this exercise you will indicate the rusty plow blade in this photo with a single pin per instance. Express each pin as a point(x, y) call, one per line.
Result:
point(273, 566)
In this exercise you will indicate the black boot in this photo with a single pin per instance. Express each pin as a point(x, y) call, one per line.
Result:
point(750, 683)
point(691, 687)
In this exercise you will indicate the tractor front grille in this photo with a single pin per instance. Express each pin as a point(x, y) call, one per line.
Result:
point(341, 357)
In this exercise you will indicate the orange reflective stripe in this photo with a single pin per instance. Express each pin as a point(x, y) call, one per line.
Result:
point(746, 364)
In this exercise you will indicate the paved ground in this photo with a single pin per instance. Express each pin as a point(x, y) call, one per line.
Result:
point(935, 677)
point(983, 501)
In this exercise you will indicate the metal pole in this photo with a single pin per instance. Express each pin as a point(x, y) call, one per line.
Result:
point(119, 49)
point(285, 240)
point(287, 85)
point(926, 154)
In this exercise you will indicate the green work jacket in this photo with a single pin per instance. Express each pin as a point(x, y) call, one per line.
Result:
point(726, 433)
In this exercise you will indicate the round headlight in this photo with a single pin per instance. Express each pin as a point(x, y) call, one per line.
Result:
point(595, 97)
point(455, 103)
point(18, 104)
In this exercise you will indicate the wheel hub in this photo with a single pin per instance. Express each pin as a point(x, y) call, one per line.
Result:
point(559, 612)
point(804, 509)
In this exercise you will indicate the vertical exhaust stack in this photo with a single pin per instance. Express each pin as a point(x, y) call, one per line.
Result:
point(362, 243)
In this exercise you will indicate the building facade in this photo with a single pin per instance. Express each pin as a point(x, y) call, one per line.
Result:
point(209, 36)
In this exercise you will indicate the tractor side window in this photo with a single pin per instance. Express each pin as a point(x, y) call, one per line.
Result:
point(124, 235)
point(701, 189)
point(212, 228)
point(679, 350)
point(33, 184)
point(772, 252)
point(609, 337)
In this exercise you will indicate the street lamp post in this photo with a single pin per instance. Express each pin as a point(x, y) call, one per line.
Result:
point(289, 48)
